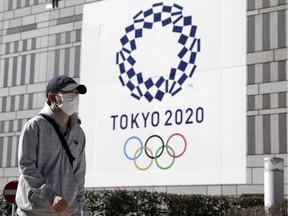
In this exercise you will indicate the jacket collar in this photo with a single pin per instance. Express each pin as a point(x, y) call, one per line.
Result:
point(46, 110)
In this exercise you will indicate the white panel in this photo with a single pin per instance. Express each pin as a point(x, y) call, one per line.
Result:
point(5, 152)
point(2, 72)
point(204, 123)
point(10, 72)
point(18, 72)
point(14, 151)
point(28, 69)
point(42, 69)
point(61, 61)
point(233, 33)
point(275, 134)
point(259, 135)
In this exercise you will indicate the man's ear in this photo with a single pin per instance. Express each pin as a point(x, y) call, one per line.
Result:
point(50, 96)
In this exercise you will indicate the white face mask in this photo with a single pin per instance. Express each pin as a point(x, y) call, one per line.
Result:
point(70, 103)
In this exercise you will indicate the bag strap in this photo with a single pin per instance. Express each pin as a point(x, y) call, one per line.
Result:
point(63, 141)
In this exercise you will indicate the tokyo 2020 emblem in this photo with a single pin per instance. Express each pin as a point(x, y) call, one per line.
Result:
point(156, 88)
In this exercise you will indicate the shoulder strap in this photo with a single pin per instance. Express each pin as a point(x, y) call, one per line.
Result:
point(63, 141)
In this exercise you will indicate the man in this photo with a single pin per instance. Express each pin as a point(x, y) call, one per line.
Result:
point(51, 178)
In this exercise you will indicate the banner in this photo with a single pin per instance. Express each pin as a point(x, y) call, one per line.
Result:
point(166, 92)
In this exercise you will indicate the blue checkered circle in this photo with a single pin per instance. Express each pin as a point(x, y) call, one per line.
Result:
point(152, 88)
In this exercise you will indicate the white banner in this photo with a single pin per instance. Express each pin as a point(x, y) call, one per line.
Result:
point(166, 92)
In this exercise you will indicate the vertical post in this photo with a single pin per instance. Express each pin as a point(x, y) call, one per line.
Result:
point(13, 209)
point(273, 181)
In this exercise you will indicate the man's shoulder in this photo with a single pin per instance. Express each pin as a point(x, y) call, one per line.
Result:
point(36, 121)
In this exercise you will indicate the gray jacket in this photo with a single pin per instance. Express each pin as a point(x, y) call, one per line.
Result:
point(45, 170)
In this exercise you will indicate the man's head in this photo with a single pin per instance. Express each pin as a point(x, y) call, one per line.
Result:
point(62, 85)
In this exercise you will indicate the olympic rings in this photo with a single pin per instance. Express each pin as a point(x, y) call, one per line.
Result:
point(156, 156)
point(150, 164)
point(159, 151)
point(137, 138)
point(173, 160)
point(185, 142)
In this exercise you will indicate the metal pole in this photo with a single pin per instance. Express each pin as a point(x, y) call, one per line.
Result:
point(13, 209)
point(273, 181)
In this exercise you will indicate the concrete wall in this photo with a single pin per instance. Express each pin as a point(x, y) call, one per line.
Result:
point(38, 43)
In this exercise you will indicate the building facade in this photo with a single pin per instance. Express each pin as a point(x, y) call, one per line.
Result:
point(38, 43)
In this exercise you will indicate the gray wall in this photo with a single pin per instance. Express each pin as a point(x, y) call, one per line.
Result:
point(36, 44)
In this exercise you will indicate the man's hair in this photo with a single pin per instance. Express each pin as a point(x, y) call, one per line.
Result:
point(48, 102)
